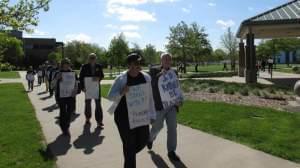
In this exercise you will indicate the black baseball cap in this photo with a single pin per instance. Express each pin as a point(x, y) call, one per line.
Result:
point(134, 57)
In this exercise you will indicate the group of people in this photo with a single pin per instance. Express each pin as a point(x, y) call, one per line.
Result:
point(261, 65)
point(157, 93)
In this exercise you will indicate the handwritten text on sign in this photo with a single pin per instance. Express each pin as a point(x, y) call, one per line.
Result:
point(169, 89)
point(67, 85)
point(137, 99)
point(91, 88)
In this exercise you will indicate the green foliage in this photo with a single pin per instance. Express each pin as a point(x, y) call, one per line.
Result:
point(55, 56)
point(244, 91)
point(230, 43)
point(150, 54)
point(78, 51)
point(11, 50)
point(21, 15)
point(219, 55)
point(6, 67)
point(118, 50)
point(188, 42)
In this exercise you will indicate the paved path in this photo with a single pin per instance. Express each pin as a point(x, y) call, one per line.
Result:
point(91, 148)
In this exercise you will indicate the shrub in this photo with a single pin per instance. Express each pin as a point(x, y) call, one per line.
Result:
point(244, 92)
point(6, 67)
point(229, 90)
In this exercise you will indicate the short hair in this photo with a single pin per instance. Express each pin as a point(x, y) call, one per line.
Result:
point(134, 57)
point(92, 56)
point(165, 54)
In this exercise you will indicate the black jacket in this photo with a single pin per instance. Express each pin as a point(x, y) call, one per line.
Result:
point(86, 71)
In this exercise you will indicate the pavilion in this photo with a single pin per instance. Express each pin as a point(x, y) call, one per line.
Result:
point(280, 22)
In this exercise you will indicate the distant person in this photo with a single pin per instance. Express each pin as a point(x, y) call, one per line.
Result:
point(196, 67)
point(135, 139)
point(94, 70)
point(65, 102)
point(40, 75)
point(30, 76)
point(225, 66)
point(263, 65)
point(166, 111)
point(270, 65)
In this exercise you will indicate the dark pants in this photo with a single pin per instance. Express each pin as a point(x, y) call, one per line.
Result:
point(65, 110)
point(51, 91)
point(30, 84)
point(98, 110)
point(133, 140)
point(40, 79)
point(74, 105)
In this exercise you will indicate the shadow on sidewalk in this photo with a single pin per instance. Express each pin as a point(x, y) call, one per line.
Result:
point(73, 118)
point(50, 108)
point(158, 160)
point(88, 140)
point(179, 164)
point(59, 147)
point(45, 98)
point(41, 93)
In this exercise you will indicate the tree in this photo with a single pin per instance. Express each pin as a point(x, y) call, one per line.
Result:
point(188, 42)
point(55, 56)
point(230, 44)
point(219, 55)
point(21, 15)
point(78, 51)
point(11, 50)
point(150, 54)
point(118, 50)
point(271, 48)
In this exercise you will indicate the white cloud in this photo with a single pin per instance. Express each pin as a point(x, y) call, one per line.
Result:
point(185, 10)
point(129, 27)
point(131, 34)
point(130, 14)
point(110, 26)
point(79, 37)
point(225, 24)
point(212, 4)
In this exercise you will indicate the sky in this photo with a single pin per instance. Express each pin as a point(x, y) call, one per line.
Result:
point(143, 21)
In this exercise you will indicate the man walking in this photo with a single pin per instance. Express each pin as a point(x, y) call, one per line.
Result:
point(94, 71)
point(167, 98)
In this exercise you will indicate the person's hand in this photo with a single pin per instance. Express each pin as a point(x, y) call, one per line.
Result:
point(179, 104)
point(124, 90)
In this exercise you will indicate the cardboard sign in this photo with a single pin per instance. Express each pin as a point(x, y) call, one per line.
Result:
point(67, 85)
point(92, 88)
point(30, 77)
point(169, 89)
point(137, 99)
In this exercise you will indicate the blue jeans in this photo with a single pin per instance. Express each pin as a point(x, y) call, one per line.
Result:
point(170, 116)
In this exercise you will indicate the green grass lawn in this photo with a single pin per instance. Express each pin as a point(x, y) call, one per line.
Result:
point(271, 131)
point(20, 133)
point(9, 74)
point(285, 68)
point(104, 90)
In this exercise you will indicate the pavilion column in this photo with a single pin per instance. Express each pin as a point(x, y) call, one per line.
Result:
point(250, 71)
point(241, 59)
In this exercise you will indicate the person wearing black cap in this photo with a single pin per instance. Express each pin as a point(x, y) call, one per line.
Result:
point(65, 101)
point(94, 70)
point(133, 139)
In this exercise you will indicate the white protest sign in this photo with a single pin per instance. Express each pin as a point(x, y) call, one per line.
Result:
point(40, 73)
point(169, 89)
point(67, 85)
point(91, 88)
point(137, 99)
point(30, 77)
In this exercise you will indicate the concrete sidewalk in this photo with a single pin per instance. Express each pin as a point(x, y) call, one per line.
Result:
point(92, 148)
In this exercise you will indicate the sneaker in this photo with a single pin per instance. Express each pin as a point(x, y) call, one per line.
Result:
point(172, 156)
point(149, 145)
